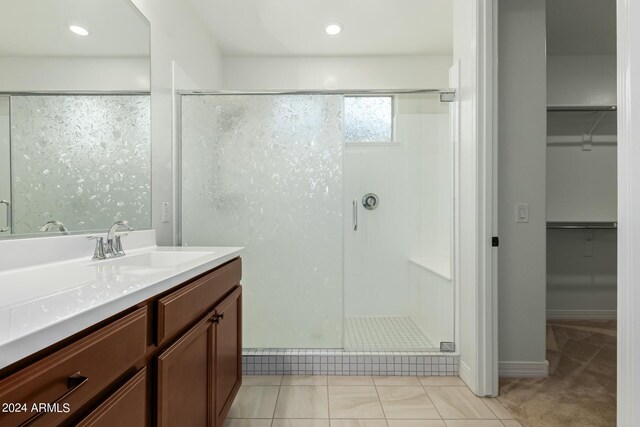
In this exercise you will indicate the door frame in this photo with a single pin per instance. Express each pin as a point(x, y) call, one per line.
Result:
point(628, 354)
point(489, 72)
point(482, 377)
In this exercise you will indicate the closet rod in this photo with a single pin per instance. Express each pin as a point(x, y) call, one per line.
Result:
point(582, 108)
point(582, 225)
point(579, 140)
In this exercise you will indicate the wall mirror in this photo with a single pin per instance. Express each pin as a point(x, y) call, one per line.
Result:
point(75, 126)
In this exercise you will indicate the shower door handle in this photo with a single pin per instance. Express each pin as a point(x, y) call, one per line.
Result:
point(355, 215)
point(8, 217)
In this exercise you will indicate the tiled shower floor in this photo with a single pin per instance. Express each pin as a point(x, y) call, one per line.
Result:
point(384, 333)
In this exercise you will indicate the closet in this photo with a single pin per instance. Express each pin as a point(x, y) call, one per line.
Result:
point(581, 169)
point(581, 212)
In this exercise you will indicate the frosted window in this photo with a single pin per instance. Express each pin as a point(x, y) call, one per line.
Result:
point(368, 118)
point(82, 160)
point(265, 172)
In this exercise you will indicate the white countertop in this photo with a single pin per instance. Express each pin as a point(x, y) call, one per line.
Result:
point(45, 303)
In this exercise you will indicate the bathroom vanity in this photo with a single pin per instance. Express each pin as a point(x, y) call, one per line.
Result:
point(150, 338)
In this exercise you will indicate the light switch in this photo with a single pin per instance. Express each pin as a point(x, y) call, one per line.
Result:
point(522, 212)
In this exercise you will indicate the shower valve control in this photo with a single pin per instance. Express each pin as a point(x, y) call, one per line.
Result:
point(370, 201)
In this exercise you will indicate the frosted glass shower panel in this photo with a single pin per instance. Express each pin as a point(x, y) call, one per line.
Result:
point(5, 177)
point(81, 160)
point(368, 118)
point(265, 172)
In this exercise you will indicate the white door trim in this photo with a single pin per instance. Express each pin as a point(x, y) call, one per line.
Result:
point(487, 309)
point(475, 260)
point(628, 56)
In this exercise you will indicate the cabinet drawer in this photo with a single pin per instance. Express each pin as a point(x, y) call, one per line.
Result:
point(126, 407)
point(179, 309)
point(69, 378)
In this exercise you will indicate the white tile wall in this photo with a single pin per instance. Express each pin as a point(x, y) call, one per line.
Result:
point(341, 362)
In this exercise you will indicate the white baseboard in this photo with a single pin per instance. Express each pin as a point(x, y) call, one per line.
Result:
point(582, 314)
point(522, 369)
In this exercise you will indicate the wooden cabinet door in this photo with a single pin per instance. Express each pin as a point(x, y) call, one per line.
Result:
point(185, 379)
point(227, 353)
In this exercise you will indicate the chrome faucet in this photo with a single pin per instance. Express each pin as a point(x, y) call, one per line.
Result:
point(113, 246)
point(54, 224)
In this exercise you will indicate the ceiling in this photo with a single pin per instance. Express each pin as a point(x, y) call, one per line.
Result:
point(40, 28)
point(581, 27)
point(296, 27)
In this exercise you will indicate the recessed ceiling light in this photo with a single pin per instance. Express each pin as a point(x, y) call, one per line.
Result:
point(78, 30)
point(333, 29)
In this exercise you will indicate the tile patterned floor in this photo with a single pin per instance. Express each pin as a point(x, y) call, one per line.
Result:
point(581, 388)
point(384, 333)
point(362, 401)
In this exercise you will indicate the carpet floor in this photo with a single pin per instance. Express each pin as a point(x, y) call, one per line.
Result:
point(581, 387)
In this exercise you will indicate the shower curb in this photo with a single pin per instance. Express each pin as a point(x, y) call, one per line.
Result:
point(345, 362)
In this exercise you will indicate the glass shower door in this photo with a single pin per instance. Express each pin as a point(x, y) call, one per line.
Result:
point(398, 180)
point(265, 172)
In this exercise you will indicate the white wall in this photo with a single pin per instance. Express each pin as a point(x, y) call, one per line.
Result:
point(177, 34)
point(73, 74)
point(522, 179)
point(400, 72)
point(581, 80)
point(581, 185)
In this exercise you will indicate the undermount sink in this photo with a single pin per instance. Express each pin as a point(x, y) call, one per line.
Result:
point(157, 259)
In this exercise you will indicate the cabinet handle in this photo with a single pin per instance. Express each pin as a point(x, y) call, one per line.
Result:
point(74, 381)
point(216, 318)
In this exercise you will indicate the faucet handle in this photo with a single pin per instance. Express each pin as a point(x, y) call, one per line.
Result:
point(98, 252)
point(117, 247)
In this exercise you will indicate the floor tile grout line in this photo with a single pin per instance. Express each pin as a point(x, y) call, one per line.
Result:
point(380, 401)
point(328, 404)
point(491, 409)
point(277, 399)
point(432, 402)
